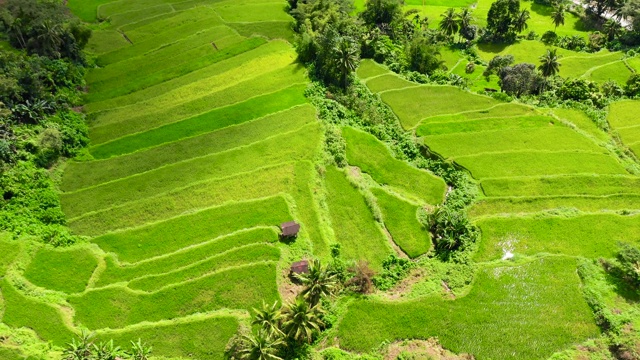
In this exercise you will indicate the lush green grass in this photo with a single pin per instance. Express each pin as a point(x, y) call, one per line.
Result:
point(301, 145)
point(551, 138)
point(269, 29)
point(507, 110)
point(520, 312)
point(168, 74)
point(152, 73)
point(118, 20)
point(388, 82)
point(160, 103)
point(268, 11)
point(616, 71)
point(7, 353)
point(582, 64)
point(212, 120)
point(191, 229)
point(45, 320)
point(236, 257)
point(79, 175)
point(624, 114)
point(539, 163)
point(65, 270)
point(189, 21)
point(176, 38)
point(256, 184)
point(102, 41)
point(353, 223)
point(9, 250)
point(86, 9)
point(369, 68)
point(479, 125)
point(588, 184)
point(414, 104)
point(198, 338)
point(581, 121)
point(114, 272)
point(371, 155)
point(262, 89)
point(238, 288)
point(590, 236)
point(493, 206)
point(400, 219)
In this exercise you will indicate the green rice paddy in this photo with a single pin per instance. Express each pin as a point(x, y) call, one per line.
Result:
point(203, 143)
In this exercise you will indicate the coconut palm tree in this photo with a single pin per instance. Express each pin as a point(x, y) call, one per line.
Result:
point(318, 282)
point(520, 24)
point(558, 16)
point(612, 29)
point(302, 320)
point(346, 57)
point(450, 24)
point(465, 18)
point(549, 64)
point(268, 318)
point(50, 37)
point(260, 346)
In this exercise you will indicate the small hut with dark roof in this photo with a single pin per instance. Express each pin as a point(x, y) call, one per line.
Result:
point(300, 267)
point(290, 229)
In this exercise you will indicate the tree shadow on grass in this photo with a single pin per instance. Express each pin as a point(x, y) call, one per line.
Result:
point(542, 10)
point(622, 287)
point(493, 48)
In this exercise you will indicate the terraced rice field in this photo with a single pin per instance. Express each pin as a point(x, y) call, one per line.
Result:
point(202, 143)
point(549, 186)
point(623, 118)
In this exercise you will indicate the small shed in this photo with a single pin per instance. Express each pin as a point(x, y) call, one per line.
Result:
point(300, 267)
point(290, 229)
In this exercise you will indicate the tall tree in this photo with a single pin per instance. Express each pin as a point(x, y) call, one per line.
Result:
point(520, 23)
point(612, 29)
point(558, 15)
point(347, 56)
point(319, 282)
point(450, 23)
point(502, 17)
point(302, 320)
point(465, 18)
point(423, 56)
point(268, 318)
point(549, 64)
point(378, 12)
point(260, 346)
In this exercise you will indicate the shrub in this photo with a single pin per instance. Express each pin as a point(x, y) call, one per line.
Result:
point(629, 264)
point(632, 88)
point(362, 280)
point(611, 89)
point(549, 38)
point(394, 270)
point(521, 79)
point(470, 68)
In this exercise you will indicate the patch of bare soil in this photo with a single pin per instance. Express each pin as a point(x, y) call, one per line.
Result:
point(404, 286)
point(287, 288)
point(422, 350)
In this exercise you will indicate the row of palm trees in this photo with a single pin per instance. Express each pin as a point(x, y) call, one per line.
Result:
point(455, 22)
point(281, 329)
